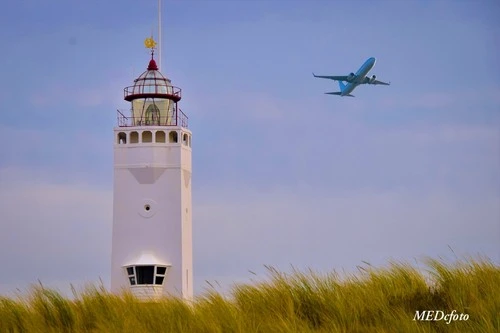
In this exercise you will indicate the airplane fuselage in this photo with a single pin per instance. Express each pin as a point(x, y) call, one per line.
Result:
point(360, 76)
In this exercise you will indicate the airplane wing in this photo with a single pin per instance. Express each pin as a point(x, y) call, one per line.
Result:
point(336, 78)
point(382, 83)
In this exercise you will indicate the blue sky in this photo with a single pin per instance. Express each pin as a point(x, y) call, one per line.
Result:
point(282, 174)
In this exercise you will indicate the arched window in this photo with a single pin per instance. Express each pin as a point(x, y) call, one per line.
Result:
point(172, 137)
point(160, 136)
point(147, 136)
point(185, 139)
point(122, 138)
point(134, 137)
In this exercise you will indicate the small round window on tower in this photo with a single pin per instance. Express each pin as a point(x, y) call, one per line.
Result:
point(147, 208)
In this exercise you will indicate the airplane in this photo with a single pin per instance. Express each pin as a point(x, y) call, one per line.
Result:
point(354, 80)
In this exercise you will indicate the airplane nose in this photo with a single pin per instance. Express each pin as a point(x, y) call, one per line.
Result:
point(372, 60)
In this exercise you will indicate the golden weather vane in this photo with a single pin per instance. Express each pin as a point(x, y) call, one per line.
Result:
point(150, 43)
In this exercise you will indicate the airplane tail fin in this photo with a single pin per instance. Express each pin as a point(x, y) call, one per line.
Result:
point(341, 86)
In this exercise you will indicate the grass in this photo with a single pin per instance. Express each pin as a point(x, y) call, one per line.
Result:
point(374, 300)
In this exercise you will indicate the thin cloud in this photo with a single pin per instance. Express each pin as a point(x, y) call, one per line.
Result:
point(284, 174)
point(52, 231)
point(446, 134)
point(66, 233)
point(64, 95)
point(442, 100)
point(295, 226)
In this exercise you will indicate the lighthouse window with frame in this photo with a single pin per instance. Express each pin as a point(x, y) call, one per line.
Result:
point(160, 274)
point(131, 275)
point(145, 274)
point(148, 274)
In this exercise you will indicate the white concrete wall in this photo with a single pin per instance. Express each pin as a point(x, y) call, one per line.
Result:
point(158, 175)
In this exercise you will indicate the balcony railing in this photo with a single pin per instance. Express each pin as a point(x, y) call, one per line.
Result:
point(177, 118)
point(152, 90)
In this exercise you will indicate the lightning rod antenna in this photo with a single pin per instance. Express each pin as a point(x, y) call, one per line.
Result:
point(159, 34)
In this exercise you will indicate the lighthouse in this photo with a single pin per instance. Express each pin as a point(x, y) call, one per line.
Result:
point(152, 227)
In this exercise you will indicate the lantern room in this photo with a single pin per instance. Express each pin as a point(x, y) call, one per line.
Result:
point(154, 100)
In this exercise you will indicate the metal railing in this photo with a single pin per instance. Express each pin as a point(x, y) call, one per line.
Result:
point(176, 118)
point(152, 89)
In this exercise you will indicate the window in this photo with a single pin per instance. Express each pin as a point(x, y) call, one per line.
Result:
point(172, 137)
point(160, 274)
point(122, 138)
point(148, 274)
point(134, 137)
point(131, 275)
point(160, 136)
point(185, 139)
point(147, 136)
point(144, 274)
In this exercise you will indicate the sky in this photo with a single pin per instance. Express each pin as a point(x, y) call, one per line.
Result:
point(283, 175)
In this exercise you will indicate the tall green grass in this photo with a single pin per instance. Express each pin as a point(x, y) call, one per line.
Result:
point(374, 300)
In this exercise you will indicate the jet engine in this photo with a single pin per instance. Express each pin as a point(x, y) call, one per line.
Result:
point(351, 77)
point(372, 79)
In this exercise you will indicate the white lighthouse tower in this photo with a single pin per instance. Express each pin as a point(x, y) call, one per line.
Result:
point(152, 228)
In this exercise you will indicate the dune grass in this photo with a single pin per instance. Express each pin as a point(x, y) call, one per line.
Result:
point(374, 300)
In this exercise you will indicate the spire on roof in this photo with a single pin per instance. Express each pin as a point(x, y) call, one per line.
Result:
point(151, 44)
